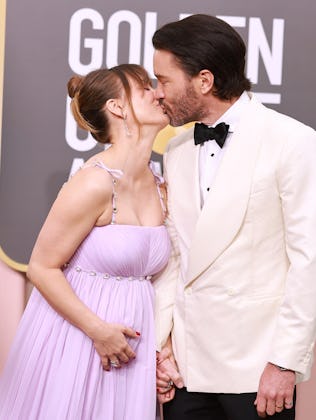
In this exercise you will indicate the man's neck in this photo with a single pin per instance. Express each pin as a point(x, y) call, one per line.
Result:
point(217, 108)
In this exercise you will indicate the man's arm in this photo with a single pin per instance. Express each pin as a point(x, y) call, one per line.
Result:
point(294, 336)
point(166, 283)
point(168, 376)
point(165, 295)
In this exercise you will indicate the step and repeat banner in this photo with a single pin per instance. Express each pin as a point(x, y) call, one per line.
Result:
point(46, 42)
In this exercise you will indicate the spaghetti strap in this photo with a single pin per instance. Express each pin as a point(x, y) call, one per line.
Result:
point(116, 174)
point(159, 182)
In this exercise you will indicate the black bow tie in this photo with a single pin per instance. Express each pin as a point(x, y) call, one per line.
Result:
point(203, 133)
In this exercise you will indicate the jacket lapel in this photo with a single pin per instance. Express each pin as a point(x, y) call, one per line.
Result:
point(226, 205)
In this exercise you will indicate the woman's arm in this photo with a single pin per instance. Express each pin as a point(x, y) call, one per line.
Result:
point(80, 204)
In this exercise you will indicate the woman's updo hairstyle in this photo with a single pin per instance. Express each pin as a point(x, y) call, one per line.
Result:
point(91, 92)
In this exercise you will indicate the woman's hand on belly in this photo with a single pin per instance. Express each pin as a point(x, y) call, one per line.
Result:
point(110, 342)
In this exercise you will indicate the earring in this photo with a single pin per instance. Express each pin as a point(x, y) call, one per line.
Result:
point(127, 131)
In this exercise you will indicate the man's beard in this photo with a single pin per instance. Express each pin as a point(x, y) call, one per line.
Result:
point(186, 109)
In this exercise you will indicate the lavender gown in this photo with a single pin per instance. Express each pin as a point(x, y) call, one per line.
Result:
point(53, 371)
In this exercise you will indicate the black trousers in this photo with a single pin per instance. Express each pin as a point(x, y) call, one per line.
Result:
point(203, 406)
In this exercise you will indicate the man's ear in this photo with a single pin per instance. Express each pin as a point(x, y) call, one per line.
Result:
point(115, 107)
point(206, 81)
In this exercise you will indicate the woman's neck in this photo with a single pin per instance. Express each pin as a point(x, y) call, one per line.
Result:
point(131, 154)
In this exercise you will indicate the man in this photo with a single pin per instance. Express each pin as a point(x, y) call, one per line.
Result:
point(241, 306)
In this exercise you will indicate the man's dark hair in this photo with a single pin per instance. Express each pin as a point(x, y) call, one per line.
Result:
point(205, 42)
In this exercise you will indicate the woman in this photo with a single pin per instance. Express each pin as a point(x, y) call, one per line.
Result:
point(85, 346)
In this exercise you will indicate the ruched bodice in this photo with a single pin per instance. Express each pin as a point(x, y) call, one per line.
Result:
point(124, 250)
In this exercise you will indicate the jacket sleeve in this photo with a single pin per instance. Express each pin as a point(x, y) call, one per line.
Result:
point(166, 283)
point(294, 336)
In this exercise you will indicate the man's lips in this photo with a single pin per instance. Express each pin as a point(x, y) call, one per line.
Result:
point(163, 108)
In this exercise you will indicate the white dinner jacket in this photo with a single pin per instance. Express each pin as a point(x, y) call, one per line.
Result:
point(240, 289)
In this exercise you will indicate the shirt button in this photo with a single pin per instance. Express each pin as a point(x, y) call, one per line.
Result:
point(231, 292)
point(188, 291)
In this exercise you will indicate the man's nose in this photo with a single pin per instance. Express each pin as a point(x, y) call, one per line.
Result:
point(158, 92)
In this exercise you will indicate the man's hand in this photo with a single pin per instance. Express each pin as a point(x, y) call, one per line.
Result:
point(168, 376)
point(276, 389)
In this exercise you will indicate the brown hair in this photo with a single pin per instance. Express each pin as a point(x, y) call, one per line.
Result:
point(90, 93)
point(205, 42)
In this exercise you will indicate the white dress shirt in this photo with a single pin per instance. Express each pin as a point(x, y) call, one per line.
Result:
point(211, 153)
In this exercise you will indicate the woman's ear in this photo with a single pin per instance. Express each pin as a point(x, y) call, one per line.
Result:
point(206, 79)
point(115, 107)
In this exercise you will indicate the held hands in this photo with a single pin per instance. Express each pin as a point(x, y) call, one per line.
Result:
point(111, 345)
point(168, 376)
point(276, 389)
